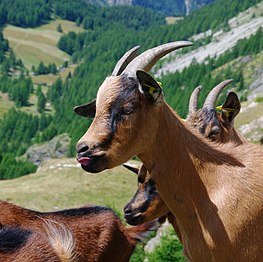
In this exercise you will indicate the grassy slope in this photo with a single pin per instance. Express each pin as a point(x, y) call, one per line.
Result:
point(57, 187)
point(5, 103)
point(39, 44)
point(33, 46)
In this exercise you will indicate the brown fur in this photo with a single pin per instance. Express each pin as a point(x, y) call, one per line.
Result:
point(147, 204)
point(98, 233)
point(214, 191)
point(37, 247)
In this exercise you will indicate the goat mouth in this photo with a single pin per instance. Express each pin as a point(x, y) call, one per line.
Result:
point(92, 164)
point(85, 160)
point(134, 219)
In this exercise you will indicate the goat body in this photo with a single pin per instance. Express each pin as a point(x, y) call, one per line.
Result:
point(98, 234)
point(214, 191)
point(147, 204)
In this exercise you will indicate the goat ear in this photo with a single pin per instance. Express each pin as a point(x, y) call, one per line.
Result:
point(87, 110)
point(149, 86)
point(231, 107)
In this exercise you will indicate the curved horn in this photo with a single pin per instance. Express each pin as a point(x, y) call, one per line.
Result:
point(214, 93)
point(147, 59)
point(125, 60)
point(132, 168)
point(193, 102)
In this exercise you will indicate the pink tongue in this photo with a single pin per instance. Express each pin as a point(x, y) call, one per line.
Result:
point(84, 160)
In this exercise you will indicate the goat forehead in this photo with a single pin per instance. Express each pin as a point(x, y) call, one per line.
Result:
point(208, 117)
point(117, 91)
point(108, 91)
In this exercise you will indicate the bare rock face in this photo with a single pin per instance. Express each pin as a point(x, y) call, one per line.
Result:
point(257, 86)
point(119, 2)
point(57, 147)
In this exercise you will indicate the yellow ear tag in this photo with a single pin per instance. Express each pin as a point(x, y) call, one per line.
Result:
point(151, 89)
point(219, 108)
point(225, 111)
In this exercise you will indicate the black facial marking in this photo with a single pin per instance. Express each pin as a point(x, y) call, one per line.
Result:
point(207, 116)
point(12, 238)
point(124, 105)
point(150, 190)
point(149, 194)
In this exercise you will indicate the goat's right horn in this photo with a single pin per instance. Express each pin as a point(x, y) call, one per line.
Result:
point(132, 168)
point(125, 60)
point(214, 93)
point(193, 102)
point(148, 59)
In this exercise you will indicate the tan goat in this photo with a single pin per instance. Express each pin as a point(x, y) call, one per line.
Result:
point(214, 191)
point(213, 125)
point(146, 203)
point(98, 234)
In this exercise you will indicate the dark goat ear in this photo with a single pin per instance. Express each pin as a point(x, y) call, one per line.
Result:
point(150, 87)
point(86, 110)
point(231, 107)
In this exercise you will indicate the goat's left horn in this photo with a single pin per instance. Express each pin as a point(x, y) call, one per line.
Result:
point(214, 93)
point(125, 60)
point(148, 59)
point(193, 102)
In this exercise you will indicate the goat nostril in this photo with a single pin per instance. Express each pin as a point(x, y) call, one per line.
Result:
point(82, 147)
point(127, 211)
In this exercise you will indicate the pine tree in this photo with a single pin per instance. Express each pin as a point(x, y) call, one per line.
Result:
point(41, 100)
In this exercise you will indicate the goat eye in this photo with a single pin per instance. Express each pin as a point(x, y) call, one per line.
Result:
point(152, 189)
point(127, 110)
point(213, 135)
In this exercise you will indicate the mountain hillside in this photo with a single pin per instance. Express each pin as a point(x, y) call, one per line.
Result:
point(168, 7)
point(55, 54)
point(241, 26)
point(40, 90)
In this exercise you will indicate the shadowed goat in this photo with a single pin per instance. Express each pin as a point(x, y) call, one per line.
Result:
point(215, 191)
point(98, 234)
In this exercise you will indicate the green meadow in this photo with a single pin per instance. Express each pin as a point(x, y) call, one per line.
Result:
point(59, 184)
point(33, 45)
